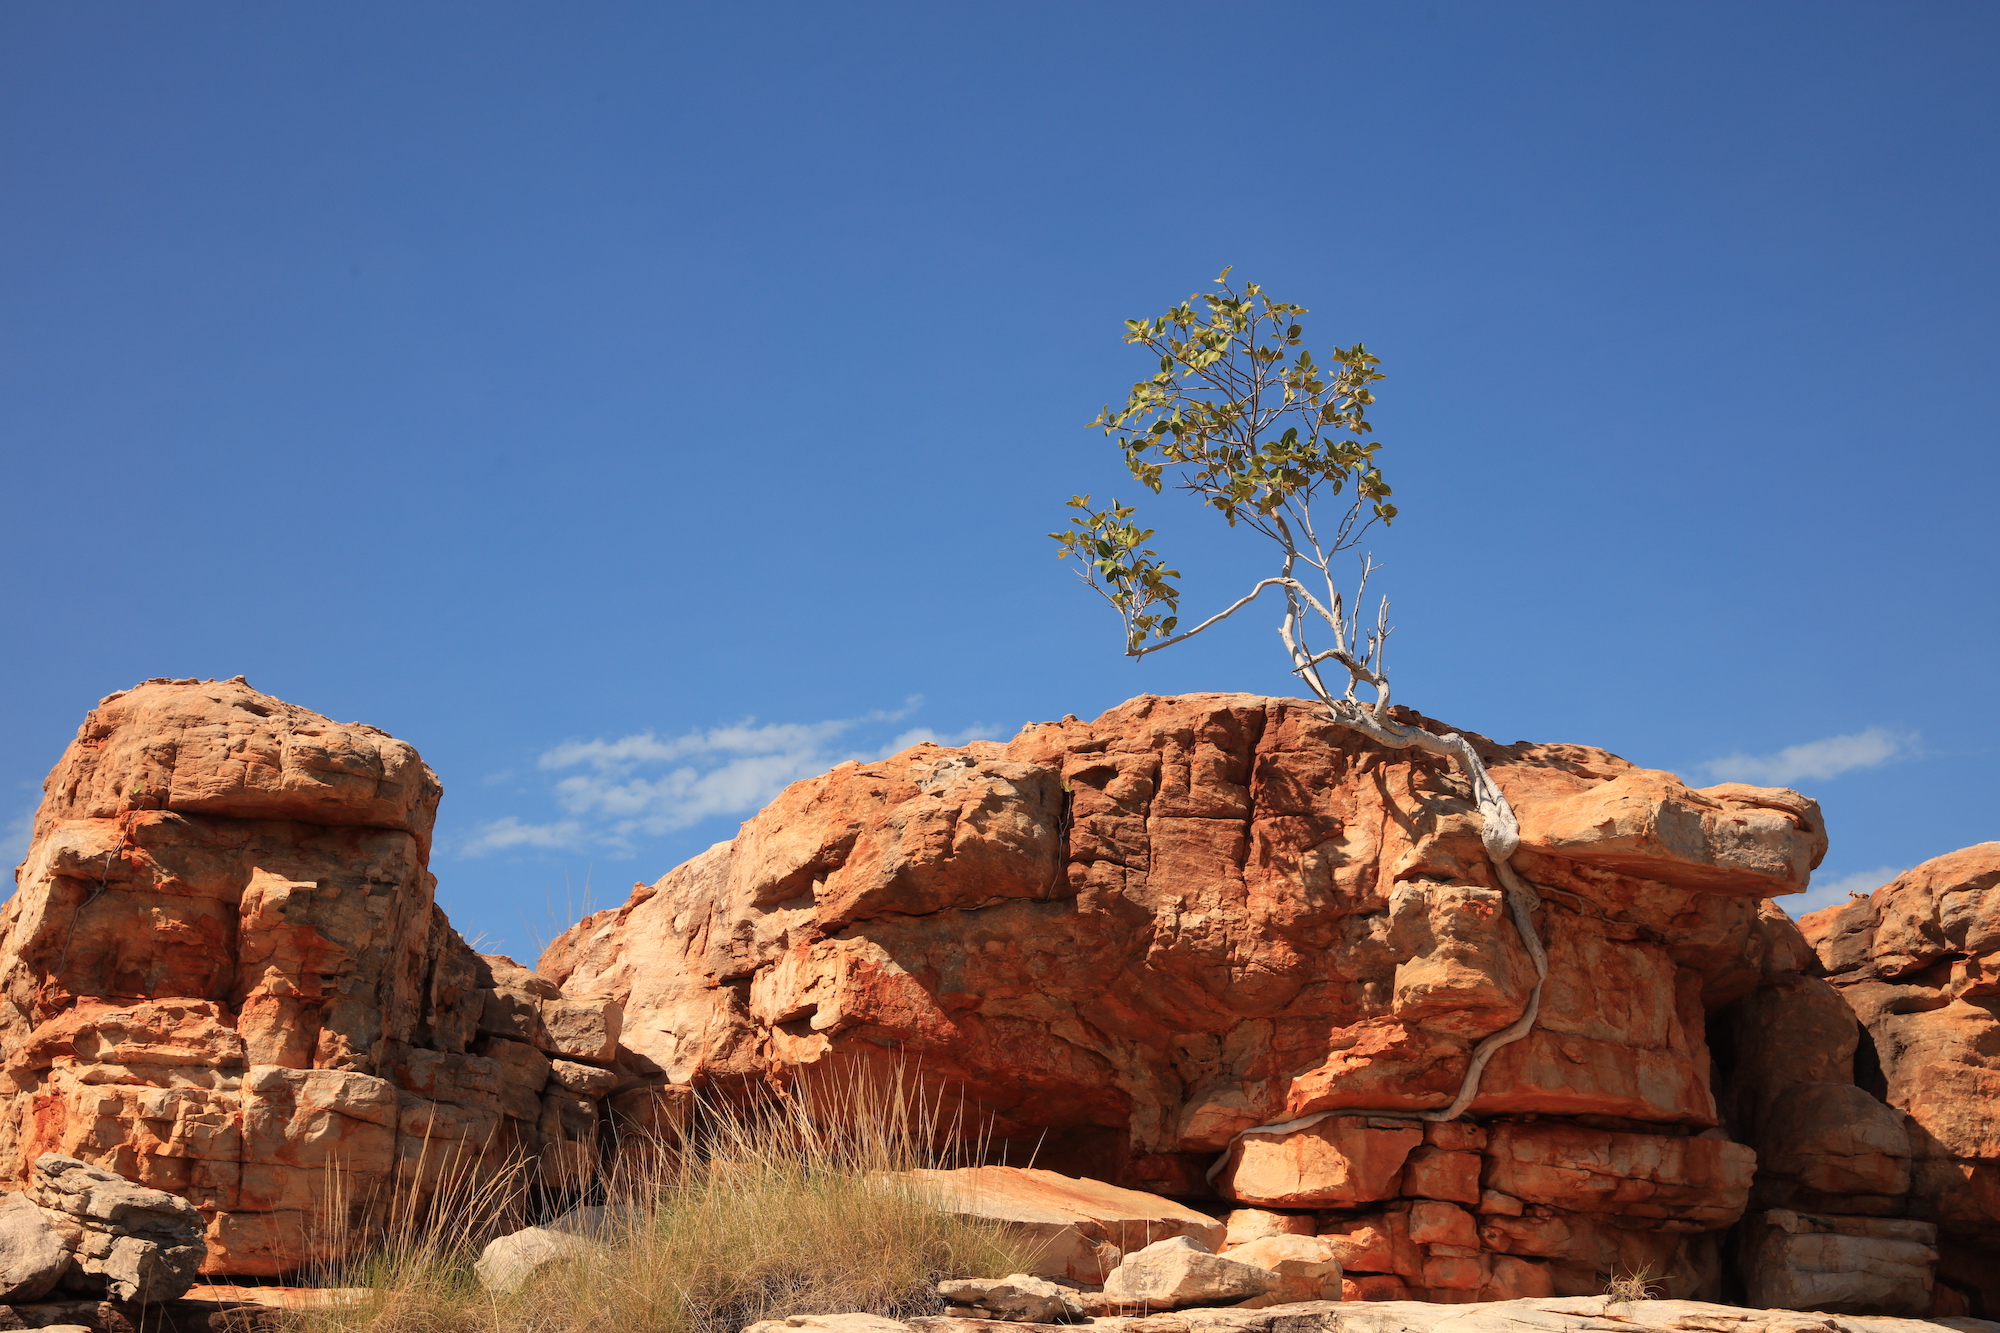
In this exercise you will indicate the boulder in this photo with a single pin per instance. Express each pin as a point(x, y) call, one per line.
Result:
point(33, 1257)
point(1185, 916)
point(1079, 1229)
point(1730, 838)
point(1873, 1265)
point(1169, 1274)
point(583, 1080)
point(126, 1242)
point(509, 1262)
point(220, 748)
point(1019, 1298)
point(222, 975)
point(1307, 1267)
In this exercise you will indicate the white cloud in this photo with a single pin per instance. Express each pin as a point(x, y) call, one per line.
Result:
point(1823, 892)
point(1816, 760)
point(644, 785)
point(501, 834)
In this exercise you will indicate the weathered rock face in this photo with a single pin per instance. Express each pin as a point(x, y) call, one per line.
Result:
point(1123, 942)
point(222, 974)
point(1918, 962)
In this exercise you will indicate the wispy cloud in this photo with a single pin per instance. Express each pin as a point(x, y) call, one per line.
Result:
point(501, 834)
point(1815, 760)
point(645, 785)
point(1826, 892)
point(14, 837)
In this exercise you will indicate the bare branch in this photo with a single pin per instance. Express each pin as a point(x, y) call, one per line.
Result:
point(1234, 607)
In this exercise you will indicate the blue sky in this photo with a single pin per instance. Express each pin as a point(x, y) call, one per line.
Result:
point(637, 407)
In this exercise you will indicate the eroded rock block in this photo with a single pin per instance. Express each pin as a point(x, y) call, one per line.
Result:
point(1835, 1141)
point(1338, 1162)
point(1247, 1224)
point(1169, 1274)
point(1701, 1180)
point(33, 1257)
point(1020, 1298)
point(1307, 1267)
point(1730, 838)
point(1127, 940)
point(1805, 1261)
point(127, 1242)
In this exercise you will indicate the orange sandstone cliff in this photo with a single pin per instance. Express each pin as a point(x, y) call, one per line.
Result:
point(1114, 946)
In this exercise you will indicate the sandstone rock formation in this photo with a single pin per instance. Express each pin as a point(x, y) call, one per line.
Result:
point(1212, 947)
point(222, 974)
point(1918, 961)
point(1125, 942)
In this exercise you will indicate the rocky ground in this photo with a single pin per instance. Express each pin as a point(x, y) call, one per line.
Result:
point(1573, 1314)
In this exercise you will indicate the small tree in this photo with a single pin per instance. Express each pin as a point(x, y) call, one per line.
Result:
point(1260, 433)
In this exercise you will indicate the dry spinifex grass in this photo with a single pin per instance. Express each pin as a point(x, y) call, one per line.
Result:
point(779, 1209)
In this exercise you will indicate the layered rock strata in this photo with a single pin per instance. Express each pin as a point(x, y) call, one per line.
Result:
point(1125, 943)
point(222, 974)
point(1918, 963)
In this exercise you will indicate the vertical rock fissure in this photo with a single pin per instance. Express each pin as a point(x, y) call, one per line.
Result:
point(1500, 834)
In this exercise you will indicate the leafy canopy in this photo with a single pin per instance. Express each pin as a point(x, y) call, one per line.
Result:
point(1254, 430)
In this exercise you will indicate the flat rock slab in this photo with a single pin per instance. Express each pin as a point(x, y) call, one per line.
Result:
point(1081, 1228)
point(278, 1298)
point(181, 1316)
point(1572, 1314)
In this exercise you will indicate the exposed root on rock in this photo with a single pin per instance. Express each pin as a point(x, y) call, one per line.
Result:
point(1500, 832)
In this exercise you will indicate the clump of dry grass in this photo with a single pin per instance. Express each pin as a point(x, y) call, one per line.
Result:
point(776, 1208)
point(1637, 1285)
